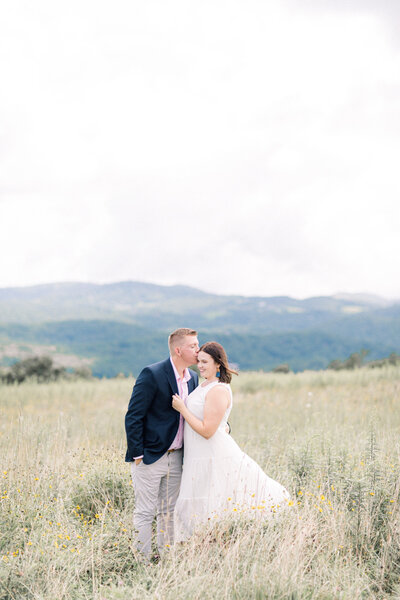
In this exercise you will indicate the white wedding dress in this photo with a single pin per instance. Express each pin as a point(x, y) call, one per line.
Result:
point(218, 477)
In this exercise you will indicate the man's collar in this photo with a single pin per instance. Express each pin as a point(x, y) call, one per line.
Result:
point(186, 372)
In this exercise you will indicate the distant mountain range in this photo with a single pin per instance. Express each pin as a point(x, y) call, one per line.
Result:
point(122, 326)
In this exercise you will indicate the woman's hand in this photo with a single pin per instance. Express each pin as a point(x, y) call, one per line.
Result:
point(177, 403)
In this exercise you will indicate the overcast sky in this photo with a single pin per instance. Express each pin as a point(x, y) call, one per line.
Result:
point(247, 147)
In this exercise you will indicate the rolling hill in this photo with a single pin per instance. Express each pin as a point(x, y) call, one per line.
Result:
point(121, 327)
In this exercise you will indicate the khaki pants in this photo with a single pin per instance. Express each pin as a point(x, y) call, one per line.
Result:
point(156, 488)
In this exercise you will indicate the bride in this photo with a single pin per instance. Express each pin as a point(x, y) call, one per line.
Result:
point(218, 478)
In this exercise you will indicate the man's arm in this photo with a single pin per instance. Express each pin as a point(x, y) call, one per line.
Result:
point(143, 393)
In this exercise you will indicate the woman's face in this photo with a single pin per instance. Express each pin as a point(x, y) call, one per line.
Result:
point(207, 365)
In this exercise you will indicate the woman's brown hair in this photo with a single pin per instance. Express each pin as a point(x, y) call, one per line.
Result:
point(217, 352)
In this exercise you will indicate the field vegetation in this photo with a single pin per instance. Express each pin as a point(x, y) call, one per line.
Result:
point(331, 437)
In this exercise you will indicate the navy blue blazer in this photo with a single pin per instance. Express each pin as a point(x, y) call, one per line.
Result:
point(151, 423)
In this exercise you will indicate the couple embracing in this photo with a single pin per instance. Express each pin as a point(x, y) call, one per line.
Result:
point(170, 413)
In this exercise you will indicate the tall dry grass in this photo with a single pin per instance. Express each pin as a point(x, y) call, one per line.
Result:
point(331, 438)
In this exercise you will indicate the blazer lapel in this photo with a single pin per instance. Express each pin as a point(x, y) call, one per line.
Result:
point(171, 376)
point(191, 384)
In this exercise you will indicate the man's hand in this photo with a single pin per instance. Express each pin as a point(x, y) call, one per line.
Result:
point(138, 461)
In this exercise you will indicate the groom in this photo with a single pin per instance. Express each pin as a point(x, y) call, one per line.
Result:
point(154, 433)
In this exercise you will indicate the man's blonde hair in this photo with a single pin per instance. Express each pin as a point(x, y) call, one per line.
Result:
point(176, 337)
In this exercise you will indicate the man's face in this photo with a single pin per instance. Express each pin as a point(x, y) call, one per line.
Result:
point(189, 349)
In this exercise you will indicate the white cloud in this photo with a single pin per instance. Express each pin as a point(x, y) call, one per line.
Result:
point(240, 148)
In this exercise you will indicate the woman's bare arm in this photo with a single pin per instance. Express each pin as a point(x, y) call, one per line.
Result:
point(216, 403)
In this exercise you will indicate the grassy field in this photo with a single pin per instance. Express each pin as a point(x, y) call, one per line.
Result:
point(331, 438)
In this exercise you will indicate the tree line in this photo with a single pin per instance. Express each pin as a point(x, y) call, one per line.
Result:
point(41, 369)
point(357, 360)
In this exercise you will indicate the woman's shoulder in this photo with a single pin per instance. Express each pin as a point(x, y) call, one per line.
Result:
point(226, 385)
point(217, 387)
